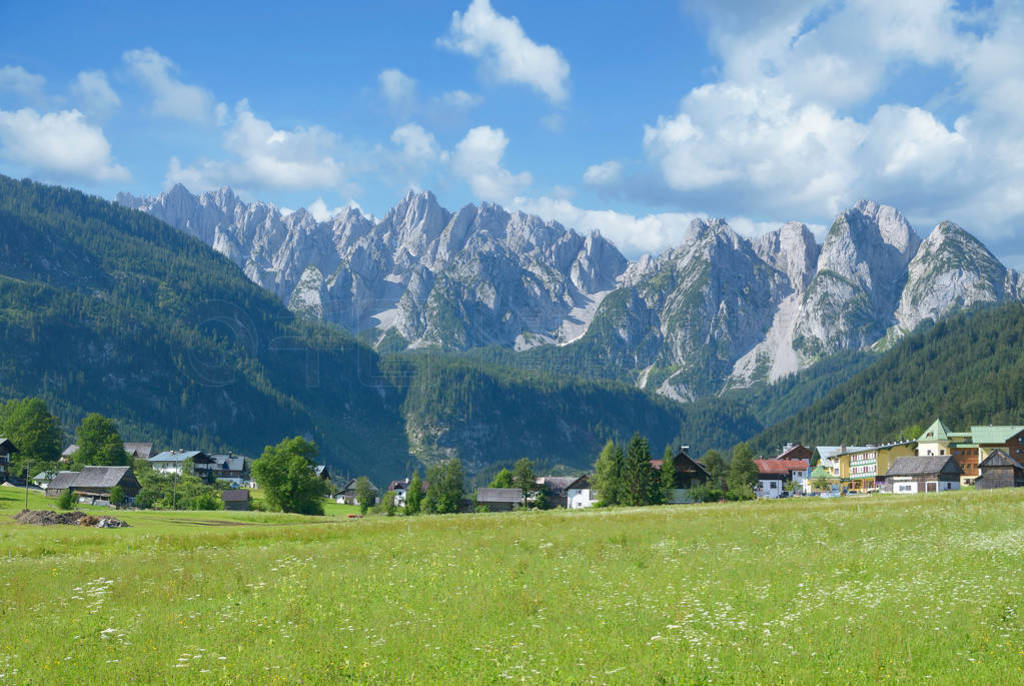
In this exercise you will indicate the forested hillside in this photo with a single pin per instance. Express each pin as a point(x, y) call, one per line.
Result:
point(967, 369)
point(107, 309)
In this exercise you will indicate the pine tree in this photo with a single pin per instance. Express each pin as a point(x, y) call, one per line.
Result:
point(608, 475)
point(668, 475)
point(742, 473)
point(637, 473)
point(414, 495)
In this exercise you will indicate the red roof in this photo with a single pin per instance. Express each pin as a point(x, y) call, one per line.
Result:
point(781, 466)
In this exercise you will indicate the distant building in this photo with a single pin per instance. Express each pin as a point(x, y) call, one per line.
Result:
point(773, 473)
point(999, 470)
point(235, 499)
point(139, 451)
point(173, 462)
point(499, 499)
point(94, 484)
point(578, 494)
point(971, 448)
point(557, 489)
point(863, 469)
point(923, 474)
point(231, 468)
point(688, 473)
point(323, 472)
point(347, 494)
point(400, 487)
point(6, 450)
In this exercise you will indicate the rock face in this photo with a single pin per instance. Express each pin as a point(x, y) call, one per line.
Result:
point(717, 311)
point(420, 276)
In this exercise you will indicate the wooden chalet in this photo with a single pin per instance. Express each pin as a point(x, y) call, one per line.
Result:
point(999, 470)
point(689, 473)
point(923, 474)
point(347, 495)
point(557, 488)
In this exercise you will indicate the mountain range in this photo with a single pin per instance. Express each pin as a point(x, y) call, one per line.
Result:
point(719, 311)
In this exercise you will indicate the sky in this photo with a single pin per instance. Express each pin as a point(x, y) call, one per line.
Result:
point(628, 118)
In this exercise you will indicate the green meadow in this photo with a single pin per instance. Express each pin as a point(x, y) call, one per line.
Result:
point(914, 589)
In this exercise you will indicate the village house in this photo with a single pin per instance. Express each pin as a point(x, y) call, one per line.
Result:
point(688, 473)
point(400, 487)
point(173, 462)
point(922, 474)
point(231, 468)
point(499, 499)
point(347, 494)
point(323, 472)
point(970, 448)
point(999, 470)
point(863, 469)
point(235, 499)
point(828, 456)
point(556, 488)
point(6, 450)
point(578, 494)
point(134, 449)
point(94, 484)
point(774, 473)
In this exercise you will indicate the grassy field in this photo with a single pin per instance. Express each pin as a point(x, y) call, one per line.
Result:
point(915, 589)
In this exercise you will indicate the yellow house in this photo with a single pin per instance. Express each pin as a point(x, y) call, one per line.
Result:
point(863, 468)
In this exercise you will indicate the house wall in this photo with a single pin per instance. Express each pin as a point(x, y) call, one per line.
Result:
point(928, 483)
point(577, 498)
point(770, 487)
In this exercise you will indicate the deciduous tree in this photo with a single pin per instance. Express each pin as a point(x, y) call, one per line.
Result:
point(446, 486)
point(285, 473)
point(414, 495)
point(99, 443)
point(365, 495)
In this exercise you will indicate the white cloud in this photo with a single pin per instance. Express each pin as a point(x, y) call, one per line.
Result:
point(633, 235)
point(94, 92)
point(417, 144)
point(477, 159)
point(603, 174)
point(171, 97)
point(303, 157)
point(507, 54)
point(58, 142)
point(398, 89)
point(460, 99)
point(803, 120)
point(16, 79)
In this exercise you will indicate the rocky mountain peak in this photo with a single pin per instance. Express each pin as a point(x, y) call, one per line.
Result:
point(792, 250)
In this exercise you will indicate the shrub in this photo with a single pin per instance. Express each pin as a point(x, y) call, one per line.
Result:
point(67, 500)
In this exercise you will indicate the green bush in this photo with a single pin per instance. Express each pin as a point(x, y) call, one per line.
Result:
point(67, 500)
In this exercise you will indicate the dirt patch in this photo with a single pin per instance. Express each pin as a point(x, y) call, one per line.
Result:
point(73, 518)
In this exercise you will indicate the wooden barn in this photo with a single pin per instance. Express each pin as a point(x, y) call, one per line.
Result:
point(235, 499)
point(499, 499)
point(6, 450)
point(923, 474)
point(999, 470)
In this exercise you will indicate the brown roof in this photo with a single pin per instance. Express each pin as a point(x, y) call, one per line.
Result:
point(141, 450)
point(235, 495)
point(777, 466)
point(557, 484)
point(62, 481)
point(999, 458)
point(101, 477)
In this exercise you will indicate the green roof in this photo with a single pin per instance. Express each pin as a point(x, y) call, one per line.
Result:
point(936, 432)
point(820, 472)
point(989, 435)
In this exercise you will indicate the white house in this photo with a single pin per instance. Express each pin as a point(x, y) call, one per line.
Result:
point(773, 474)
point(173, 461)
point(579, 495)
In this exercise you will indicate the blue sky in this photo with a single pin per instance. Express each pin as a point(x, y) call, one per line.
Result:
point(629, 118)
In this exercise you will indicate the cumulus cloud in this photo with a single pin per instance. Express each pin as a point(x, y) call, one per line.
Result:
point(15, 79)
point(398, 89)
point(93, 91)
point(506, 53)
point(61, 143)
point(265, 157)
point(477, 159)
point(603, 174)
point(460, 99)
point(171, 97)
point(417, 144)
point(802, 121)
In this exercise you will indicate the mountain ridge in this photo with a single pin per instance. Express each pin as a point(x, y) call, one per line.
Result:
point(718, 311)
